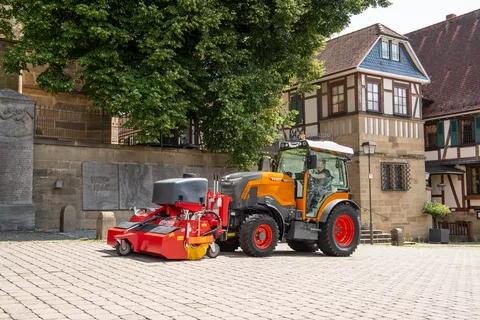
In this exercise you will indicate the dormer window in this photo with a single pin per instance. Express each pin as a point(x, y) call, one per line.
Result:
point(395, 52)
point(385, 50)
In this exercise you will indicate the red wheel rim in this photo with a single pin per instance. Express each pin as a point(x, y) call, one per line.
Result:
point(344, 230)
point(263, 236)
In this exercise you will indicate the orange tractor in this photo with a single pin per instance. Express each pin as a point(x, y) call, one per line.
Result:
point(303, 201)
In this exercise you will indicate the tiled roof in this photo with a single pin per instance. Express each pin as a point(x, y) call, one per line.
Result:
point(450, 54)
point(346, 52)
point(404, 67)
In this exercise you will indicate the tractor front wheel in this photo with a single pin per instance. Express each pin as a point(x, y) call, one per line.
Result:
point(123, 248)
point(258, 235)
point(340, 235)
point(302, 246)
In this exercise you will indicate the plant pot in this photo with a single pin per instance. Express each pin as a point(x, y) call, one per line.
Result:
point(438, 235)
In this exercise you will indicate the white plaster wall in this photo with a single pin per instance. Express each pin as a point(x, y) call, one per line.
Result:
point(324, 106)
point(311, 110)
point(417, 108)
point(446, 127)
point(387, 103)
point(467, 152)
point(431, 155)
point(351, 100)
point(387, 84)
point(451, 153)
point(350, 81)
point(364, 99)
point(324, 86)
point(312, 93)
point(311, 130)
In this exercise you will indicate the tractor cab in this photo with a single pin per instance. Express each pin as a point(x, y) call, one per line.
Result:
point(319, 172)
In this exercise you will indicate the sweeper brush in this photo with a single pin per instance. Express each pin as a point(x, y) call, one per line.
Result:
point(185, 226)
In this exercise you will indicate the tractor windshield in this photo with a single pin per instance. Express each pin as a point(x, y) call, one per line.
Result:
point(292, 161)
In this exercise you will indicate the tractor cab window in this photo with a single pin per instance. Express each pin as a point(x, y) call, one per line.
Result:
point(327, 178)
point(292, 163)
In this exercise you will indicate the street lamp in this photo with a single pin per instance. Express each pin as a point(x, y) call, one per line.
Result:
point(369, 149)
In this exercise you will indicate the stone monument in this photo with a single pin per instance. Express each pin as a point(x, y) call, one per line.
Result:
point(16, 161)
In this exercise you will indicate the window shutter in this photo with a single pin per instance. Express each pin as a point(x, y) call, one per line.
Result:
point(300, 109)
point(454, 132)
point(440, 135)
point(477, 129)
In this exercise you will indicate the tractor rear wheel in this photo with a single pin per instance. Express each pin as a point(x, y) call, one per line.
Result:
point(302, 246)
point(229, 245)
point(340, 235)
point(258, 235)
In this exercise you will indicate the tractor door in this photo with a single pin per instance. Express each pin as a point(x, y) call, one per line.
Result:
point(292, 163)
point(326, 182)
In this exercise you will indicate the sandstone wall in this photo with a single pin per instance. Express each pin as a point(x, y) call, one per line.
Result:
point(56, 162)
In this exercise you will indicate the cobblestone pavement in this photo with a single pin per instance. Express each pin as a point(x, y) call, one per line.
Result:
point(74, 279)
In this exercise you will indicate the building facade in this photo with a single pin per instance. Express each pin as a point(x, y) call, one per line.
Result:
point(449, 51)
point(371, 91)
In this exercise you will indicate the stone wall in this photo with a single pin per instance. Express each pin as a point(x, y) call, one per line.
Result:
point(7, 81)
point(61, 166)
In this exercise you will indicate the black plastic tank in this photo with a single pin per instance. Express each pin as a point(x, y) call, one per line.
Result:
point(169, 191)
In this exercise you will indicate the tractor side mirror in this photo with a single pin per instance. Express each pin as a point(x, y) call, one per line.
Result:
point(312, 161)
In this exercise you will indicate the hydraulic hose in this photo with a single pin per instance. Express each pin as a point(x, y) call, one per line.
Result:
point(219, 223)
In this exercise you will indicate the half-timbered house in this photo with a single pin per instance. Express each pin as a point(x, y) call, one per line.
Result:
point(371, 91)
point(450, 52)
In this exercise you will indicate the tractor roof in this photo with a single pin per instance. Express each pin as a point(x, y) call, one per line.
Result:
point(323, 145)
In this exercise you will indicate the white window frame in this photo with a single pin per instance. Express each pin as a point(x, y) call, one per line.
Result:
point(385, 49)
point(395, 53)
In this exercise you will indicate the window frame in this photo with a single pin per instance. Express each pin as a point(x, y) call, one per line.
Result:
point(388, 178)
point(301, 114)
point(406, 87)
point(385, 49)
point(380, 95)
point(395, 57)
point(333, 85)
point(461, 131)
point(435, 146)
point(470, 180)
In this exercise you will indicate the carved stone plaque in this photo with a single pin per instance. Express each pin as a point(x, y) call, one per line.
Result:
point(16, 161)
point(100, 186)
point(136, 186)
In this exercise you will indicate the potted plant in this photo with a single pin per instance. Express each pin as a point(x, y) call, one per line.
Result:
point(437, 210)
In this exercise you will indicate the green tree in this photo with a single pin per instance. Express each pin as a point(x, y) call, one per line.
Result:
point(225, 61)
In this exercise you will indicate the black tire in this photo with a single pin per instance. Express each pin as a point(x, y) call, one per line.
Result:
point(258, 235)
point(211, 253)
point(335, 227)
point(229, 245)
point(302, 246)
point(124, 251)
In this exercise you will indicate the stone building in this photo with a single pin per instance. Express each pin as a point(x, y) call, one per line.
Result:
point(449, 51)
point(371, 91)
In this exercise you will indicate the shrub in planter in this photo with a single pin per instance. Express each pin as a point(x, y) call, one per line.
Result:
point(436, 210)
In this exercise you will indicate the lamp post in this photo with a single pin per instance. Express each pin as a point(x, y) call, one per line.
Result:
point(369, 149)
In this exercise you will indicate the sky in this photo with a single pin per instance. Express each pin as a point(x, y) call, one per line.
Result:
point(404, 16)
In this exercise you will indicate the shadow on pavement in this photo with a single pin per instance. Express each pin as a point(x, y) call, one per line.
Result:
point(20, 236)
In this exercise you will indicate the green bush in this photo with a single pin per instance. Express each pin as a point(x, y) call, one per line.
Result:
point(436, 209)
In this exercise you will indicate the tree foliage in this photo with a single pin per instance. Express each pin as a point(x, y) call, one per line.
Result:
point(225, 62)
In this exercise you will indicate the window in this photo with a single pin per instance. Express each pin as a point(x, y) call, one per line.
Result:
point(473, 179)
point(395, 176)
point(338, 98)
point(373, 96)
point(296, 103)
point(431, 137)
point(467, 131)
point(400, 100)
point(395, 52)
point(385, 50)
